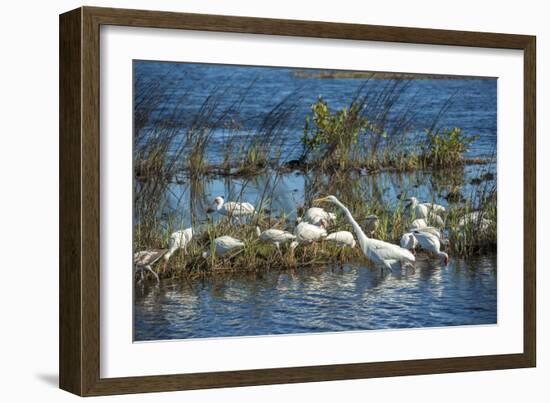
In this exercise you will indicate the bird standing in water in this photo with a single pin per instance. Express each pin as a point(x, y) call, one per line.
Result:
point(379, 252)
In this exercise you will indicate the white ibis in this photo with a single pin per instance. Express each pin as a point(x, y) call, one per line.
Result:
point(408, 241)
point(430, 243)
point(231, 209)
point(275, 236)
point(379, 252)
point(428, 211)
point(177, 240)
point(307, 233)
point(222, 245)
point(343, 239)
point(145, 259)
point(314, 215)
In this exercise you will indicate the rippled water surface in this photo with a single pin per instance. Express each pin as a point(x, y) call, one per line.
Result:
point(323, 300)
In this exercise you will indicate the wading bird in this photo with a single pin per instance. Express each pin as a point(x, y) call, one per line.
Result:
point(430, 212)
point(342, 239)
point(275, 236)
point(431, 244)
point(417, 224)
point(379, 252)
point(177, 240)
point(145, 259)
point(408, 241)
point(314, 215)
point(231, 209)
point(475, 219)
point(307, 233)
point(222, 245)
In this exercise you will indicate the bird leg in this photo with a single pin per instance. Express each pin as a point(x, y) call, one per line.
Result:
point(279, 249)
point(148, 267)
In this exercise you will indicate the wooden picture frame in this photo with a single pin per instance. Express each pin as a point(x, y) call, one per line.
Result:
point(79, 201)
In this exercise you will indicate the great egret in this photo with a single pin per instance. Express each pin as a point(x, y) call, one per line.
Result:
point(275, 236)
point(177, 240)
point(222, 245)
point(430, 243)
point(315, 215)
point(231, 209)
point(145, 259)
point(379, 252)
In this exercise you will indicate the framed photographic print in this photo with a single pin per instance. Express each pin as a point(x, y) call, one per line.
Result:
point(249, 201)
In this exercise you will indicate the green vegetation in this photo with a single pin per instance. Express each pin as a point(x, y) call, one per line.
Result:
point(345, 152)
point(446, 148)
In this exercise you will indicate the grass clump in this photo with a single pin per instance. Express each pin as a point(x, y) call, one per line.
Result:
point(446, 148)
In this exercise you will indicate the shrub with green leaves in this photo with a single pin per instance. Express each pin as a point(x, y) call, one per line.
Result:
point(332, 136)
point(447, 147)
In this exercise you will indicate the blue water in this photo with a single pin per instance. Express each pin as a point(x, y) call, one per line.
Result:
point(254, 91)
point(354, 298)
point(325, 299)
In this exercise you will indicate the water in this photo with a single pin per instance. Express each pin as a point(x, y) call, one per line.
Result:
point(324, 300)
point(256, 90)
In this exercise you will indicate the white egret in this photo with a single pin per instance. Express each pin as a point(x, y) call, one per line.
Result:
point(379, 252)
point(177, 240)
point(222, 245)
point(231, 209)
point(430, 243)
point(275, 236)
point(314, 215)
point(145, 259)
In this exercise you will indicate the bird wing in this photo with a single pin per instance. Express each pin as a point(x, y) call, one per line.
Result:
point(428, 241)
point(276, 235)
point(227, 242)
point(430, 230)
point(418, 223)
point(146, 257)
point(389, 251)
point(341, 237)
point(309, 232)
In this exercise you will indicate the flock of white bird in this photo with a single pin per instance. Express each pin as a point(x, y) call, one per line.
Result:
point(312, 228)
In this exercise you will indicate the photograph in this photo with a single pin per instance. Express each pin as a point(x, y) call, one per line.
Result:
point(274, 200)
